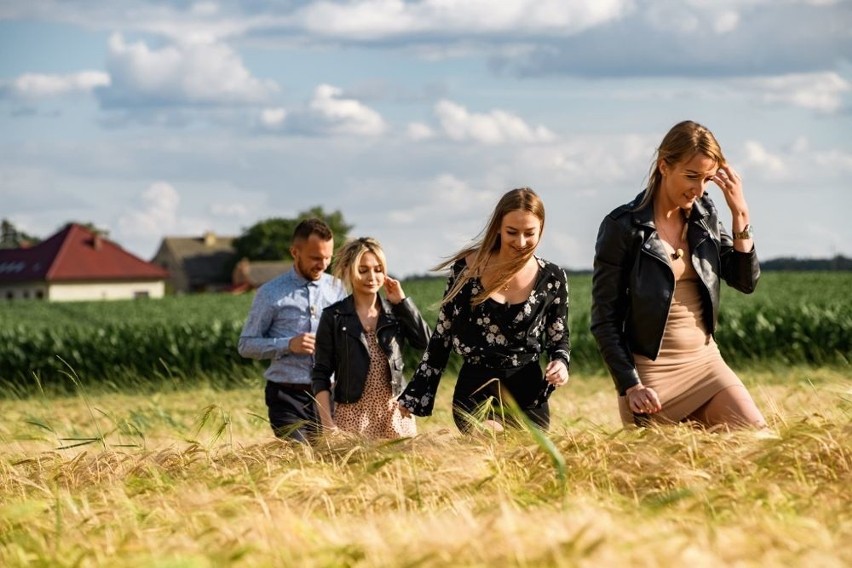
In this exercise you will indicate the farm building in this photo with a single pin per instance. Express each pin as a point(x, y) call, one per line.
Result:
point(250, 275)
point(77, 264)
point(209, 264)
point(197, 264)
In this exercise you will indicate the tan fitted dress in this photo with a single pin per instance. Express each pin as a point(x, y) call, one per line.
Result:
point(376, 414)
point(689, 370)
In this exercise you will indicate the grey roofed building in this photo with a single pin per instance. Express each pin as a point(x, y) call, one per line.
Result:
point(197, 264)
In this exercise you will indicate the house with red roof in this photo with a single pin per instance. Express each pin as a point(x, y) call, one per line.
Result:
point(77, 264)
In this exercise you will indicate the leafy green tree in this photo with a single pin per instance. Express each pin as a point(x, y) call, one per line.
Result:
point(266, 240)
point(270, 239)
point(11, 237)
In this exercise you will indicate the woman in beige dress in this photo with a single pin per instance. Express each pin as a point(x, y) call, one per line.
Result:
point(659, 260)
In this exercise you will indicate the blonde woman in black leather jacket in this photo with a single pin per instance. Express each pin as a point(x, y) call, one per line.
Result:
point(658, 265)
point(359, 341)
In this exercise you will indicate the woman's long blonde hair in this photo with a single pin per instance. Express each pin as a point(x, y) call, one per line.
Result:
point(682, 142)
point(347, 259)
point(486, 247)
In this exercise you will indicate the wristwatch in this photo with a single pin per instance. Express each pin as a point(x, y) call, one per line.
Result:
point(745, 234)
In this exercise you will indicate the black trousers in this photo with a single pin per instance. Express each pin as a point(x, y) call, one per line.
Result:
point(477, 386)
point(292, 413)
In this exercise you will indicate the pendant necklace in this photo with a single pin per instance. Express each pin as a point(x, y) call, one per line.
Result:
point(678, 253)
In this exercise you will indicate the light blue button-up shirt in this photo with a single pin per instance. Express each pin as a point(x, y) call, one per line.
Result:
point(282, 309)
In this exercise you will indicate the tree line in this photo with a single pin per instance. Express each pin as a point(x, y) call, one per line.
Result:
point(269, 239)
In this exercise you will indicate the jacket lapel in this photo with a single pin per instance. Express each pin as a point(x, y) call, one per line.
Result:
point(349, 322)
point(698, 231)
point(652, 244)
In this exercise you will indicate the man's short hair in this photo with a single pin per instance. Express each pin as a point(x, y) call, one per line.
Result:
point(312, 226)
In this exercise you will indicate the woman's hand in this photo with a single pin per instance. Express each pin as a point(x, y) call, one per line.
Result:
point(731, 184)
point(643, 400)
point(393, 290)
point(556, 373)
point(403, 410)
point(330, 430)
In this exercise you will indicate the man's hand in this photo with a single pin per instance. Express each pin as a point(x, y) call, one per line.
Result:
point(303, 344)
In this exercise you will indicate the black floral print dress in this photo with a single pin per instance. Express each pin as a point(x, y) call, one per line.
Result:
point(496, 341)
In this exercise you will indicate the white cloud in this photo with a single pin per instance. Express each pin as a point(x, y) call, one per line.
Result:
point(594, 160)
point(345, 116)
point(273, 117)
point(444, 196)
point(601, 38)
point(835, 160)
point(426, 219)
point(698, 38)
point(683, 18)
point(178, 74)
point(825, 92)
point(204, 9)
point(495, 127)
point(328, 113)
point(158, 212)
point(757, 156)
point(376, 19)
point(36, 85)
point(800, 145)
point(418, 131)
point(726, 22)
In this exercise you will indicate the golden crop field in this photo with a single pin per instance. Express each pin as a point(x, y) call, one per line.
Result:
point(192, 477)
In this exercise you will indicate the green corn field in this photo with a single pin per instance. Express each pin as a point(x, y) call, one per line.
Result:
point(793, 318)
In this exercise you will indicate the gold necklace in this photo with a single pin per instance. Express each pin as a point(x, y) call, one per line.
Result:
point(678, 253)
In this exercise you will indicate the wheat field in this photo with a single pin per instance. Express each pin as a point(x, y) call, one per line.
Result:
point(194, 478)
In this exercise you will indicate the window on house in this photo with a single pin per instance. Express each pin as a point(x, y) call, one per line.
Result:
point(39, 294)
point(10, 295)
point(25, 294)
point(141, 294)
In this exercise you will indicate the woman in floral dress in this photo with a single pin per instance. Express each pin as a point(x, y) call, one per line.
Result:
point(359, 341)
point(502, 308)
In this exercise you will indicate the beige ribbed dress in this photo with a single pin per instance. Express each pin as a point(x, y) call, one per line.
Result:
point(689, 370)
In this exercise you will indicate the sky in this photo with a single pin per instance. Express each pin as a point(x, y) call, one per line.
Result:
point(153, 118)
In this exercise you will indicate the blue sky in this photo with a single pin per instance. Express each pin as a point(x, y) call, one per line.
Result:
point(165, 117)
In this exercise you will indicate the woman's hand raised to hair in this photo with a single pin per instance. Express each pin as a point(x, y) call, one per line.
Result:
point(731, 184)
point(393, 290)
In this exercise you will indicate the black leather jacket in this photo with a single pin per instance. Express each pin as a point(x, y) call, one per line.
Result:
point(633, 282)
point(341, 346)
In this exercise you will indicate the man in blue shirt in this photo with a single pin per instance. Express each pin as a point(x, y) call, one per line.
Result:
point(282, 324)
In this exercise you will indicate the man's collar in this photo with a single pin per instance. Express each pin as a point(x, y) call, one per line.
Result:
point(299, 279)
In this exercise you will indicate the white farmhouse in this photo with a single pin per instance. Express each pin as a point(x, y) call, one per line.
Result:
point(77, 264)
